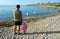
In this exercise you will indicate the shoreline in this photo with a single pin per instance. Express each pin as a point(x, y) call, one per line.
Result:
point(9, 23)
point(34, 17)
point(44, 6)
point(52, 6)
point(43, 17)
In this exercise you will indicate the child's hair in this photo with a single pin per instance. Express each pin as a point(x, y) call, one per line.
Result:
point(25, 21)
point(17, 6)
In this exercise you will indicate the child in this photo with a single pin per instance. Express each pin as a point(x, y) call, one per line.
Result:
point(24, 26)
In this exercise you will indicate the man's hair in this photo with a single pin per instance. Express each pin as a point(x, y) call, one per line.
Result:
point(17, 6)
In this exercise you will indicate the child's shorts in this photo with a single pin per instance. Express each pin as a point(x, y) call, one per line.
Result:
point(17, 22)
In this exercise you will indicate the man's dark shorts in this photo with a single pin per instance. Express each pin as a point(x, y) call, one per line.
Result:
point(17, 22)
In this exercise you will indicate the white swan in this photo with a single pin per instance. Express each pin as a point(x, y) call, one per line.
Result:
point(34, 12)
point(27, 14)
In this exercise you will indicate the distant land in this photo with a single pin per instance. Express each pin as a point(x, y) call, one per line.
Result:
point(46, 4)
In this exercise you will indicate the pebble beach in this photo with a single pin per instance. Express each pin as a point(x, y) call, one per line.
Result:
point(48, 28)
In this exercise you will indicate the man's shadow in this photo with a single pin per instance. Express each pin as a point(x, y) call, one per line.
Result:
point(49, 32)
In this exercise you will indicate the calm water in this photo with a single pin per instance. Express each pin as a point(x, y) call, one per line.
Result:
point(6, 11)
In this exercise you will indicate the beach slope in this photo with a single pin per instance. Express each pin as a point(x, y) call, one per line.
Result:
point(48, 28)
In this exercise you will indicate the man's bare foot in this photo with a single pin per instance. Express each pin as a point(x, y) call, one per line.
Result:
point(15, 33)
point(18, 33)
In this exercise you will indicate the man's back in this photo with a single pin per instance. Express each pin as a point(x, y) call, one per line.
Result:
point(17, 14)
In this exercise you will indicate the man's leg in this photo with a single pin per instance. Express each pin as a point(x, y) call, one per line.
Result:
point(18, 27)
point(14, 28)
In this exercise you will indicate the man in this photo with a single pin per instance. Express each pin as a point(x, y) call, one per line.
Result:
point(17, 14)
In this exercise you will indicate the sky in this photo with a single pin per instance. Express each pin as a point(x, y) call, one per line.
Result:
point(25, 2)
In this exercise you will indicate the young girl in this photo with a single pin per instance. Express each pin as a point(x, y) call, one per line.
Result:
point(24, 26)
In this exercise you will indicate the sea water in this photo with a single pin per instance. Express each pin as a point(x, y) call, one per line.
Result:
point(6, 11)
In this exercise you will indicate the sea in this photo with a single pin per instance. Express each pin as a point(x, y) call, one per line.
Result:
point(6, 11)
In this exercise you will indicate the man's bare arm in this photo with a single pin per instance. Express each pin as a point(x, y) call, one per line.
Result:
point(21, 17)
